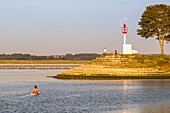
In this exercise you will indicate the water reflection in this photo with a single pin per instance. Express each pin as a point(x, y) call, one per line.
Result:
point(145, 96)
point(125, 93)
point(8, 76)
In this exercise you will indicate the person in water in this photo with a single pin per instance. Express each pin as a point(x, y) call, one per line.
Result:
point(35, 90)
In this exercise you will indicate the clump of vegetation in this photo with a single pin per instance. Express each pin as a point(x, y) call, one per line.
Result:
point(151, 61)
point(18, 56)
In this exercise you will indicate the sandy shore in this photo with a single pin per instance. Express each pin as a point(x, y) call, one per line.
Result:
point(38, 66)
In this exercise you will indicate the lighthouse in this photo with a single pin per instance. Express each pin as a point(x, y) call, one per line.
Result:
point(127, 48)
point(124, 32)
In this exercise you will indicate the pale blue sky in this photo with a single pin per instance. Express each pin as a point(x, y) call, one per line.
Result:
point(46, 27)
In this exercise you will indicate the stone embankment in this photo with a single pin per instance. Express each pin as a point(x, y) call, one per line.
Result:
point(114, 67)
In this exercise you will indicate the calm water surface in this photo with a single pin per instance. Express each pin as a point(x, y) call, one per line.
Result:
point(63, 96)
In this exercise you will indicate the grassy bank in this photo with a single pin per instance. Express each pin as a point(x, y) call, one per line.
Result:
point(43, 62)
point(122, 67)
point(108, 77)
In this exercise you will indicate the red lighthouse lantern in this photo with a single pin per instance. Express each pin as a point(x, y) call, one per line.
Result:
point(124, 29)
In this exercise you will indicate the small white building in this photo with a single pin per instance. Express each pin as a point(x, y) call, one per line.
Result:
point(127, 49)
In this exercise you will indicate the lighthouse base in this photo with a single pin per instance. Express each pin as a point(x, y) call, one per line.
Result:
point(127, 48)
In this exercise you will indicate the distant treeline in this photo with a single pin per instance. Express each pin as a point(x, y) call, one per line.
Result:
point(16, 56)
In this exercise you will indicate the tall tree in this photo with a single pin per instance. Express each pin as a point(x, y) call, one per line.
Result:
point(155, 23)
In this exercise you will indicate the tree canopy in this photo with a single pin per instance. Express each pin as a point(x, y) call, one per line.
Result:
point(155, 23)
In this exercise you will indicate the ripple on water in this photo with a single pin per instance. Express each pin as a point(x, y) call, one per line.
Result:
point(85, 97)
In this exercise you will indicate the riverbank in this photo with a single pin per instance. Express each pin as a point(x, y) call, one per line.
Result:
point(110, 67)
point(40, 64)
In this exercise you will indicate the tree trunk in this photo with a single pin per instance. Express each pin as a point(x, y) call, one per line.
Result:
point(161, 42)
point(162, 46)
point(162, 50)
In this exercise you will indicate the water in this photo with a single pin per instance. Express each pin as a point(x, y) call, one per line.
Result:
point(63, 96)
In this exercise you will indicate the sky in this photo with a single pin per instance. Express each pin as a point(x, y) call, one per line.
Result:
point(57, 27)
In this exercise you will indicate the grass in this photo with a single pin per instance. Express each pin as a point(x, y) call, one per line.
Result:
point(122, 67)
point(151, 61)
point(43, 62)
point(136, 61)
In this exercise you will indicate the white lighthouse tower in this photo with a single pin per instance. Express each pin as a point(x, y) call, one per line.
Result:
point(124, 32)
point(127, 48)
